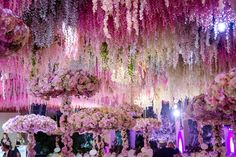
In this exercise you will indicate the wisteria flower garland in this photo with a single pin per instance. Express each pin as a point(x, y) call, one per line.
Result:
point(30, 124)
point(64, 81)
point(222, 92)
point(66, 127)
point(13, 33)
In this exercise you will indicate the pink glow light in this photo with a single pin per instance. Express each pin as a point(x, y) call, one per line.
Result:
point(180, 141)
point(231, 143)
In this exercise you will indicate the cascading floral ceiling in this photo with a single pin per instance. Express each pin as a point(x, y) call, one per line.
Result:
point(144, 51)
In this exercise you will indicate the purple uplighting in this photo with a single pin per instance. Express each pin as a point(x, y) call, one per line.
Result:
point(230, 148)
point(180, 141)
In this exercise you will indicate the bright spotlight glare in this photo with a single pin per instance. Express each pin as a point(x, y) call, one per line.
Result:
point(175, 106)
point(231, 145)
point(176, 113)
point(180, 145)
point(221, 27)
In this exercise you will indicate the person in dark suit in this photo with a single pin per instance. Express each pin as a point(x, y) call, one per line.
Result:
point(6, 148)
point(164, 151)
point(176, 151)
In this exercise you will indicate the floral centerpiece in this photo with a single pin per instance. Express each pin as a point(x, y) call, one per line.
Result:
point(97, 119)
point(13, 33)
point(133, 110)
point(70, 82)
point(202, 112)
point(30, 124)
point(147, 123)
point(222, 92)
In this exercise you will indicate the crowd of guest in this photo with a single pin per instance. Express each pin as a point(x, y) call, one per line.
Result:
point(165, 150)
point(7, 147)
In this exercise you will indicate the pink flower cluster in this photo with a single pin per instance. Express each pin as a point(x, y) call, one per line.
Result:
point(143, 124)
point(30, 124)
point(201, 111)
point(133, 110)
point(13, 33)
point(97, 119)
point(222, 92)
point(65, 81)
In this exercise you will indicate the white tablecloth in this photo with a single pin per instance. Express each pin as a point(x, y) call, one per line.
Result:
point(22, 149)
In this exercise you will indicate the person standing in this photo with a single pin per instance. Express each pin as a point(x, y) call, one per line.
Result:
point(6, 148)
point(5, 139)
point(176, 152)
point(19, 141)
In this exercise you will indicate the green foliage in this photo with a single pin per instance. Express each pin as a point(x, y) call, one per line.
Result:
point(104, 55)
point(131, 67)
point(34, 70)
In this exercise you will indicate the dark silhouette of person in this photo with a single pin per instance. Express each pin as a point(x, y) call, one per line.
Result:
point(164, 151)
point(6, 148)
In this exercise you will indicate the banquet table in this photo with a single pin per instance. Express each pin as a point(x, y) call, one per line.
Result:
point(22, 149)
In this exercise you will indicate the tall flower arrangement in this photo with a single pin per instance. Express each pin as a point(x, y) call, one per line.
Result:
point(97, 120)
point(13, 33)
point(67, 82)
point(30, 124)
point(72, 82)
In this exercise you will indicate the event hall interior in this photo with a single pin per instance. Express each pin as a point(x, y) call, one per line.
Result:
point(118, 78)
